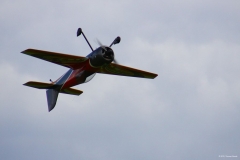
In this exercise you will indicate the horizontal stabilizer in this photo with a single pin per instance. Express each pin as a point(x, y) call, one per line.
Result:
point(39, 85)
point(42, 85)
point(71, 91)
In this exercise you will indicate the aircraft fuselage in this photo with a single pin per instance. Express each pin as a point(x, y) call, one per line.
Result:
point(85, 71)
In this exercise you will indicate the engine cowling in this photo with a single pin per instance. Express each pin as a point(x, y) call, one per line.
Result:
point(100, 56)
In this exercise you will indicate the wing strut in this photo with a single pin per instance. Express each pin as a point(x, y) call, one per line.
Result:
point(79, 32)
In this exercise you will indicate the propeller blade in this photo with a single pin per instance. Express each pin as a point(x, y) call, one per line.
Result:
point(101, 45)
point(115, 61)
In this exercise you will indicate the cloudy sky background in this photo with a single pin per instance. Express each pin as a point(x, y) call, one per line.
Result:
point(190, 111)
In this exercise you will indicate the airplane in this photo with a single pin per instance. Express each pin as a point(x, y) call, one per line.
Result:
point(81, 69)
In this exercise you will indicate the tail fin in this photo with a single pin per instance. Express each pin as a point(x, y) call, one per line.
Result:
point(52, 95)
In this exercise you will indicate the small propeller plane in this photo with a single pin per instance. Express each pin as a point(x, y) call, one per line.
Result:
point(81, 69)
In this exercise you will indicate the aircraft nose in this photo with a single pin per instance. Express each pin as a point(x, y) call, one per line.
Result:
point(108, 53)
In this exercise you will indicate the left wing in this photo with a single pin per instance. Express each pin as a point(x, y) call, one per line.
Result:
point(58, 58)
point(120, 70)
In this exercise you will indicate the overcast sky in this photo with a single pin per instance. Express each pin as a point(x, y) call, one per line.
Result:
point(190, 111)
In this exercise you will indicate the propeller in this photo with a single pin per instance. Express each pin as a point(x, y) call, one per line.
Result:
point(116, 41)
point(114, 60)
point(100, 44)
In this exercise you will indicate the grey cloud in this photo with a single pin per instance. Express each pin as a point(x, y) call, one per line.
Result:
point(190, 111)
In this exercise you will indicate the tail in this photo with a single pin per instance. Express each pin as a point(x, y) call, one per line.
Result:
point(52, 95)
point(52, 91)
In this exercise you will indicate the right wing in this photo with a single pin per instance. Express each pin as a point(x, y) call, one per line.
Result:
point(58, 58)
point(120, 70)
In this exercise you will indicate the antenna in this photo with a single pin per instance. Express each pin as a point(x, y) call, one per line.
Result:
point(79, 32)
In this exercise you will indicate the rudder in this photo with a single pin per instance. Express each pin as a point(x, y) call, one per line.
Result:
point(52, 95)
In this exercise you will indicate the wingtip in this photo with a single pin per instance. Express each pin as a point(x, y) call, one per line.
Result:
point(26, 50)
point(27, 83)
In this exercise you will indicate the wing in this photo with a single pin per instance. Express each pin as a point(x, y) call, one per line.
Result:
point(58, 58)
point(120, 70)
